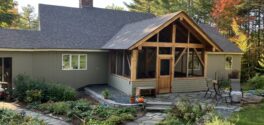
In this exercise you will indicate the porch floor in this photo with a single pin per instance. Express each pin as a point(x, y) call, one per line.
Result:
point(114, 94)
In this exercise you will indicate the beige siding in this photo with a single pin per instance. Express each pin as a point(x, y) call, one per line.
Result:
point(143, 83)
point(188, 85)
point(120, 83)
point(216, 65)
point(21, 62)
point(48, 66)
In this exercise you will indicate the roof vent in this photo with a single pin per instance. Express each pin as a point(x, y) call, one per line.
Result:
point(86, 3)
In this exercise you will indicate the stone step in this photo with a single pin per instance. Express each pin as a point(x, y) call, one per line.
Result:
point(160, 103)
point(157, 108)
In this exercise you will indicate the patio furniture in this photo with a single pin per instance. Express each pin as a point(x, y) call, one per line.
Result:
point(236, 92)
point(145, 91)
point(211, 87)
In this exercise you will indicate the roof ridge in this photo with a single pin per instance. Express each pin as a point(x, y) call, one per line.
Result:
point(97, 8)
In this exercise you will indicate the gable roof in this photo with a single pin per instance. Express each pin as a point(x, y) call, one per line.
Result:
point(92, 28)
point(219, 39)
point(134, 32)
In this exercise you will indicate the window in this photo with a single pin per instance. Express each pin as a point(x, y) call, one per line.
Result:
point(228, 62)
point(74, 61)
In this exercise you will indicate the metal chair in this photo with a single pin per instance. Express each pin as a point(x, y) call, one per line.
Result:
point(210, 87)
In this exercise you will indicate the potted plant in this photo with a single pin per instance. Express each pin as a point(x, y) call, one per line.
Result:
point(132, 99)
point(140, 99)
point(234, 76)
point(105, 94)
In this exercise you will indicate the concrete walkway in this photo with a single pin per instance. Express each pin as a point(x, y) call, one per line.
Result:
point(150, 118)
point(47, 119)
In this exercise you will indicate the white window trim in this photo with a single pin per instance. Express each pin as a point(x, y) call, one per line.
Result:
point(231, 62)
point(70, 61)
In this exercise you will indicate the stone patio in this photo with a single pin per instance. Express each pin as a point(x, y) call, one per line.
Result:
point(224, 109)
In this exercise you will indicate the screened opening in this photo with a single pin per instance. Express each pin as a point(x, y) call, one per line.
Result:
point(164, 50)
point(153, 39)
point(165, 67)
point(165, 35)
point(181, 33)
point(120, 63)
point(193, 67)
point(147, 63)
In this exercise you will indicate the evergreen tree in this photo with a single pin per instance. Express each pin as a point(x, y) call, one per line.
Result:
point(28, 19)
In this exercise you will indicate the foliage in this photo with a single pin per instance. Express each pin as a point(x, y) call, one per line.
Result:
point(198, 9)
point(33, 96)
point(249, 115)
point(49, 91)
point(218, 121)
point(185, 112)
point(99, 114)
point(257, 82)
point(9, 117)
point(106, 93)
point(114, 7)
point(7, 13)
point(261, 60)
point(28, 19)
point(240, 38)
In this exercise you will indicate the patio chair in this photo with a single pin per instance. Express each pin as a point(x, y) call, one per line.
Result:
point(210, 87)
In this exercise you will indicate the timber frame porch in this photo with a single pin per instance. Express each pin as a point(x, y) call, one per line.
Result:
point(175, 51)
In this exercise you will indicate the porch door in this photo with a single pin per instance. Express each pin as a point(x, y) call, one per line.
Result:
point(164, 74)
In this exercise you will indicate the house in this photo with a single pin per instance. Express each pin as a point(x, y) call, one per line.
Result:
point(86, 45)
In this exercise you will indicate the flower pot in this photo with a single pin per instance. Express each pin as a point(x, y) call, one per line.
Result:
point(140, 100)
point(132, 100)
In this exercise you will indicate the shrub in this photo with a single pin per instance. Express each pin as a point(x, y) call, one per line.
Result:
point(186, 112)
point(218, 121)
point(106, 93)
point(33, 96)
point(257, 81)
point(49, 91)
point(58, 108)
point(9, 117)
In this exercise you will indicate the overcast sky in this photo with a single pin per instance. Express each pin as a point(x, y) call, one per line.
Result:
point(69, 3)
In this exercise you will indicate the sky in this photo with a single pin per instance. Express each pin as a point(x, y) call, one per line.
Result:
point(69, 3)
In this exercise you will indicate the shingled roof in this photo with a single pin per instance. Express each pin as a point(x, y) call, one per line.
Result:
point(92, 28)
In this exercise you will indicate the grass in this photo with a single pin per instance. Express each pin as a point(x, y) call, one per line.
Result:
point(250, 115)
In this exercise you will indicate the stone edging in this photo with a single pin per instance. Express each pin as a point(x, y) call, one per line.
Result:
point(101, 99)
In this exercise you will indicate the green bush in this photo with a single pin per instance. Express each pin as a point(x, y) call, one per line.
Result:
point(106, 93)
point(9, 117)
point(58, 108)
point(257, 82)
point(218, 121)
point(49, 91)
point(185, 112)
point(33, 96)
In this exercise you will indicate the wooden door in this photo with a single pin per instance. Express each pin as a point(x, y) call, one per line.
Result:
point(164, 75)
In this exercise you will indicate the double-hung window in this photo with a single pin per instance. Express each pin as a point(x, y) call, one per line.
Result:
point(228, 62)
point(74, 61)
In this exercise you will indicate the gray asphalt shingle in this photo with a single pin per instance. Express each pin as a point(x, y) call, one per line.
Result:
point(93, 28)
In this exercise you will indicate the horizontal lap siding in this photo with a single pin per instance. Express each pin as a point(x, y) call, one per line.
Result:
point(120, 83)
point(48, 66)
point(144, 83)
point(188, 85)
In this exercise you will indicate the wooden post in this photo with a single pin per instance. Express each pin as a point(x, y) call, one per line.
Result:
point(205, 63)
point(123, 63)
point(157, 66)
point(188, 51)
point(134, 60)
point(173, 55)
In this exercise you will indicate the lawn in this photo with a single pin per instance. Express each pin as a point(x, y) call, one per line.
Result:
point(250, 115)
